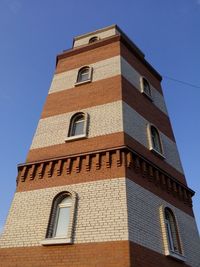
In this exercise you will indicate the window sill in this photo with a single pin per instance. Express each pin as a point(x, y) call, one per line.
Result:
point(75, 137)
point(55, 241)
point(148, 96)
point(83, 82)
point(176, 255)
point(157, 153)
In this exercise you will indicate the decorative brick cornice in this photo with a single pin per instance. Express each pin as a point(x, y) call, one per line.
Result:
point(104, 159)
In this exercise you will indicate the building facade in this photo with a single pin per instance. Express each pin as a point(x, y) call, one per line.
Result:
point(102, 184)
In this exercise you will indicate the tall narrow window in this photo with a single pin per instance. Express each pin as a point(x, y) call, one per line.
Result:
point(84, 75)
point(78, 126)
point(171, 239)
point(145, 87)
point(155, 140)
point(62, 218)
point(60, 227)
point(172, 231)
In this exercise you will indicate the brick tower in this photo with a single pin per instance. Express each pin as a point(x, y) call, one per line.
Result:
point(102, 184)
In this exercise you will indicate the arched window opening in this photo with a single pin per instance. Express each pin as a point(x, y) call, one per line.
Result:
point(60, 216)
point(155, 139)
point(172, 231)
point(93, 39)
point(77, 124)
point(145, 87)
point(84, 74)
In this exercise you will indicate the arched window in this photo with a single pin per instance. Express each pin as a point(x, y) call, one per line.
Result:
point(84, 75)
point(77, 124)
point(93, 39)
point(155, 140)
point(61, 219)
point(171, 238)
point(145, 87)
point(172, 231)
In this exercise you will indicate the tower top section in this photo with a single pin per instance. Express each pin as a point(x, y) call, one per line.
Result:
point(104, 36)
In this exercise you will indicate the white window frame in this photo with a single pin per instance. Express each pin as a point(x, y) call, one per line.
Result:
point(50, 238)
point(71, 125)
point(59, 207)
point(90, 72)
point(150, 141)
point(168, 242)
point(149, 96)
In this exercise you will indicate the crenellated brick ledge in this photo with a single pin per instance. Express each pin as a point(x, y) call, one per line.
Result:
point(97, 160)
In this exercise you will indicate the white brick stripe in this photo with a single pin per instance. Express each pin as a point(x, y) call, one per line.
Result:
point(134, 78)
point(103, 119)
point(105, 69)
point(101, 70)
point(145, 226)
point(101, 35)
point(136, 126)
point(101, 214)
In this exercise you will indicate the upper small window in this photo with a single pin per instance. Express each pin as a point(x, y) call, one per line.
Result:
point(93, 39)
point(155, 140)
point(78, 126)
point(146, 88)
point(84, 75)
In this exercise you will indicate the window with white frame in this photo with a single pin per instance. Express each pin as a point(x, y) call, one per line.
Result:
point(171, 236)
point(84, 75)
point(61, 219)
point(145, 87)
point(155, 143)
point(78, 126)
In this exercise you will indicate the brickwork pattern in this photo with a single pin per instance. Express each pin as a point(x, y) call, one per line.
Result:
point(101, 214)
point(103, 254)
point(135, 126)
point(105, 69)
point(101, 70)
point(145, 227)
point(103, 120)
point(134, 76)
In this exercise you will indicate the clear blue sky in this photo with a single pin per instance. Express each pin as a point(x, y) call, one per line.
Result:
point(33, 32)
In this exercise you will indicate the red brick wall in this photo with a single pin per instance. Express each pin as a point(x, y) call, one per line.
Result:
point(107, 254)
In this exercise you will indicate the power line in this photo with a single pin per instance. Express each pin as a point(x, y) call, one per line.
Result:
point(182, 82)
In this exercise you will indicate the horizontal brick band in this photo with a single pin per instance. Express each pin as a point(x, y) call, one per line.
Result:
point(106, 164)
point(104, 120)
point(99, 143)
point(106, 91)
point(144, 257)
point(145, 108)
point(139, 66)
point(132, 143)
point(78, 146)
point(76, 58)
point(104, 254)
point(81, 97)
